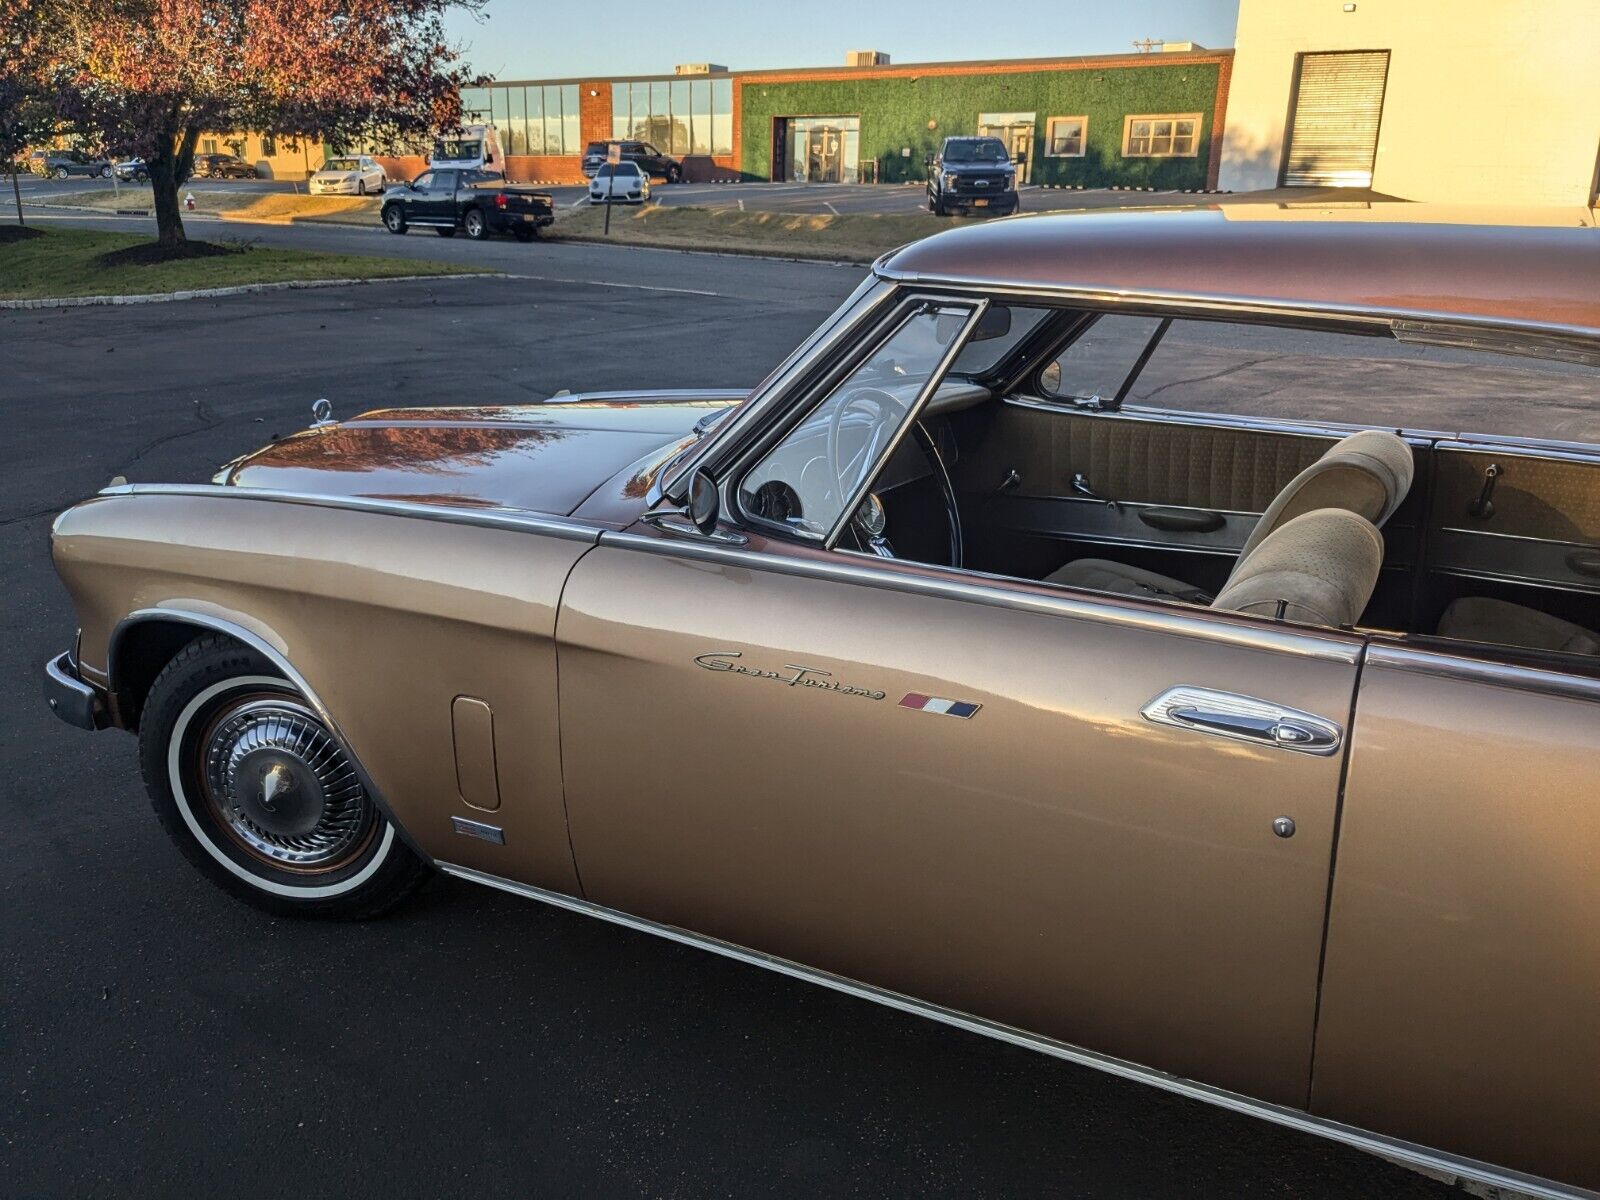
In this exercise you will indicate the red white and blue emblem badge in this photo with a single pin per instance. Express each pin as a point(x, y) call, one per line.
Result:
point(940, 705)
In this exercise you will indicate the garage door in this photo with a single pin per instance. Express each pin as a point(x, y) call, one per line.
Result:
point(1338, 104)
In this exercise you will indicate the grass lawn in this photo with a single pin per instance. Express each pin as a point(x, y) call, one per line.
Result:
point(66, 262)
point(271, 208)
point(850, 237)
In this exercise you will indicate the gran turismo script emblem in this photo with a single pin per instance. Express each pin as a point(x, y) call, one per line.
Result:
point(792, 674)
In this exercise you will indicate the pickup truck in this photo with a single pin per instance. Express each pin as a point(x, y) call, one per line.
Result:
point(970, 174)
point(480, 202)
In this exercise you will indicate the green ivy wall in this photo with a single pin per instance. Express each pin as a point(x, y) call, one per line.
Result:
point(895, 113)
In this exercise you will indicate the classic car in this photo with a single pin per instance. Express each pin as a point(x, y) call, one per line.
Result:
point(1253, 758)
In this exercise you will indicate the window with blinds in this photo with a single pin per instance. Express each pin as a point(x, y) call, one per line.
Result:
point(1337, 107)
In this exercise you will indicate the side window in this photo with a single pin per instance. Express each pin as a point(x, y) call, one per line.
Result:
point(445, 181)
point(808, 479)
point(1094, 367)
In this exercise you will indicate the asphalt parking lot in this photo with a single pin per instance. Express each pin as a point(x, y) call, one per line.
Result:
point(158, 1039)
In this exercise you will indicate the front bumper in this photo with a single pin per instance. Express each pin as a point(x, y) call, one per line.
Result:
point(70, 698)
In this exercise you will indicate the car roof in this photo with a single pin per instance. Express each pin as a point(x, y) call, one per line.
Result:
point(1394, 261)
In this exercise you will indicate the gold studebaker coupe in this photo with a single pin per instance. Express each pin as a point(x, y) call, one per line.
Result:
point(1256, 759)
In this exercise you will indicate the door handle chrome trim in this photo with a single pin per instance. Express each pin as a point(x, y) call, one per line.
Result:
point(1244, 719)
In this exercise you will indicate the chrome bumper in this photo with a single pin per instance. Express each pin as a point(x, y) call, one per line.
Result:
point(70, 698)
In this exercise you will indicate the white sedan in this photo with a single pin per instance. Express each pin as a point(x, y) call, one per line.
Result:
point(619, 183)
point(354, 176)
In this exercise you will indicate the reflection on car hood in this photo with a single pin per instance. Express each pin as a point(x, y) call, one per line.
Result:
point(545, 458)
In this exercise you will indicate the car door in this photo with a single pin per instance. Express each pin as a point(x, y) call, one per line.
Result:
point(964, 789)
point(431, 198)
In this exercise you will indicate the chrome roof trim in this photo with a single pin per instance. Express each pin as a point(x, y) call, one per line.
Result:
point(280, 661)
point(502, 518)
point(1409, 1153)
point(1182, 302)
point(989, 590)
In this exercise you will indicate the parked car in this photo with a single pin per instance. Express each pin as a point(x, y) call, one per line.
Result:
point(619, 183)
point(655, 164)
point(479, 202)
point(1199, 748)
point(64, 164)
point(971, 175)
point(133, 170)
point(354, 175)
point(223, 166)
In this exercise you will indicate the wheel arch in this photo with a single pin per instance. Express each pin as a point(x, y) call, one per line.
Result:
point(146, 640)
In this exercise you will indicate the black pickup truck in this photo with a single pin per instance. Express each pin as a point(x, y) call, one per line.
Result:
point(480, 202)
point(972, 174)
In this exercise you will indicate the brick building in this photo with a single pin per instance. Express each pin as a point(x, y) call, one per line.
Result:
point(1133, 120)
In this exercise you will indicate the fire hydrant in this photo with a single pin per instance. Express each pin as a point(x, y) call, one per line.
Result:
point(188, 202)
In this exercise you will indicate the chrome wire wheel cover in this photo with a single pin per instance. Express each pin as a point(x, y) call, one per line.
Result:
point(278, 784)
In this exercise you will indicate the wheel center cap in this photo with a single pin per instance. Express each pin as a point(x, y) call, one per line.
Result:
point(278, 792)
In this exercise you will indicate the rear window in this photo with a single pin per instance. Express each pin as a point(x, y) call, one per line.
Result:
point(595, 148)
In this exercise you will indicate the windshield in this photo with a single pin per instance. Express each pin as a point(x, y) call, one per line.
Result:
point(978, 150)
point(616, 169)
point(453, 149)
point(341, 164)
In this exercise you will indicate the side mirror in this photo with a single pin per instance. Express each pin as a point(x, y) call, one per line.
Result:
point(704, 502)
point(927, 160)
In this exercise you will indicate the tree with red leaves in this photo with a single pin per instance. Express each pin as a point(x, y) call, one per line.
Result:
point(148, 77)
point(27, 111)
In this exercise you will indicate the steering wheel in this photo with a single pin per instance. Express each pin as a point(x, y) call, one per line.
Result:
point(870, 520)
point(886, 409)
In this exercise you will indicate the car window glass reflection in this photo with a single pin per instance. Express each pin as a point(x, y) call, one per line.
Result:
point(807, 479)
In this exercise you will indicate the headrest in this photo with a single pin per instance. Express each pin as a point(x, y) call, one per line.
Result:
point(1320, 568)
point(1368, 473)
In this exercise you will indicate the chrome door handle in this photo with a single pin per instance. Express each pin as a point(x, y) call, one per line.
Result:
point(1245, 719)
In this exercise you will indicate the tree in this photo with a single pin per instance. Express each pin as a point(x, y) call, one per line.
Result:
point(27, 114)
point(148, 77)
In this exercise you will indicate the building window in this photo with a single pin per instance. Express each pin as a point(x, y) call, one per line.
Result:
point(679, 116)
point(208, 145)
point(1161, 136)
point(1065, 137)
point(269, 146)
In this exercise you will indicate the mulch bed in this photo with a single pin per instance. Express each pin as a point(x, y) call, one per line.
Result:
point(17, 233)
point(150, 253)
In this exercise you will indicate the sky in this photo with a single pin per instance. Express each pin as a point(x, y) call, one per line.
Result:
point(519, 39)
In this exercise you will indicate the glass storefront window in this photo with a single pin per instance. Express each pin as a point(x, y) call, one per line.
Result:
point(569, 120)
point(679, 144)
point(660, 123)
point(552, 120)
point(823, 149)
point(700, 113)
point(639, 126)
point(722, 116)
point(619, 112)
point(535, 120)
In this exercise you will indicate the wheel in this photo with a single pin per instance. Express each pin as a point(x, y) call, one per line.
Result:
point(477, 226)
point(105, 172)
point(442, 232)
point(931, 208)
point(394, 219)
point(141, 176)
point(62, 173)
point(674, 173)
point(361, 187)
point(525, 233)
point(259, 794)
point(937, 207)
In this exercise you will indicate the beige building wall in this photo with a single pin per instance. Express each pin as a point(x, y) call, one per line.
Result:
point(273, 157)
point(1488, 101)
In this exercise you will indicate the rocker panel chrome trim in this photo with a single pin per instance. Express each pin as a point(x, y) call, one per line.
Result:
point(1406, 1152)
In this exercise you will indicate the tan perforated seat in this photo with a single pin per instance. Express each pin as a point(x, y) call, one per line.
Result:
point(1367, 473)
point(1480, 619)
point(1319, 568)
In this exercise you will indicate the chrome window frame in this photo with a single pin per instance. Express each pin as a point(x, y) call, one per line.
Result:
point(811, 391)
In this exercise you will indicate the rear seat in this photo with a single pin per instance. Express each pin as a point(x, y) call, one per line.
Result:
point(1480, 619)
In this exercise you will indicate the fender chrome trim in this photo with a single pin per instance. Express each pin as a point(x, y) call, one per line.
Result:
point(1408, 1153)
point(529, 522)
point(277, 658)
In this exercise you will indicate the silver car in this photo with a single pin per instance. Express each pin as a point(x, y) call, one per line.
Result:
point(355, 175)
point(619, 183)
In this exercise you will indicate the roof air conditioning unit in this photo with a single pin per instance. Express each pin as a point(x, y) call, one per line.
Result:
point(866, 58)
point(700, 69)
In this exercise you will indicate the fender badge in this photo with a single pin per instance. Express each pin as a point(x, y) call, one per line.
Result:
point(938, 704)
point(792, 675)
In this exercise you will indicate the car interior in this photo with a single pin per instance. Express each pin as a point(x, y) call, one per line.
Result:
point(1039, 457)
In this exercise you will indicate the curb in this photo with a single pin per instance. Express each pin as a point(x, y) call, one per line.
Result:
point(243, 289)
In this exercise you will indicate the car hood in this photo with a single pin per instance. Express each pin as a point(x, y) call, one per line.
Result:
point(545, 458)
